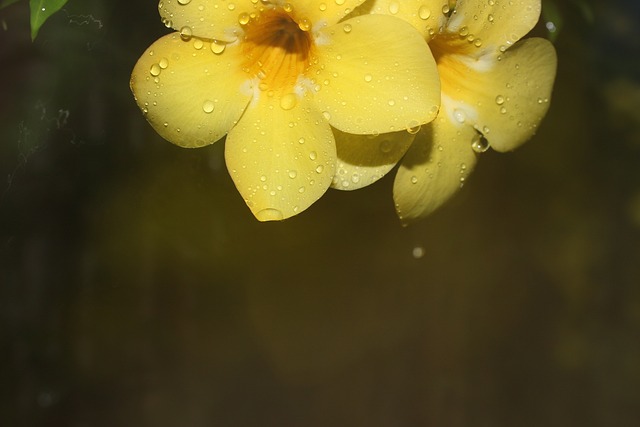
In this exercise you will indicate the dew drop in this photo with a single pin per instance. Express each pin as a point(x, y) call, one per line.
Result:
point(414, 179)
point(347, 28)
point(386, 145)
point(313, 155)
point(394, 7)
point(183, 2)
point(269, 214)
point(186, 33)
point(413, 127)
point(319, 169)
point(368, 78)
point(217, 47)
point(424, 12)
point(208, 106)
point(499, 100)
point(459, 115)
point(163, 63)
point(288, 101)
point(155, 70)
point(292, 174)
point(244, 18)
point(479, 144)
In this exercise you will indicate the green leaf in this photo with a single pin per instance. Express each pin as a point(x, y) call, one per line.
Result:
point(41, 10)
point(5, 3)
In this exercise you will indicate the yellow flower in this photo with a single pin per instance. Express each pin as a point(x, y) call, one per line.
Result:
point(278, 79)
point(495, 91)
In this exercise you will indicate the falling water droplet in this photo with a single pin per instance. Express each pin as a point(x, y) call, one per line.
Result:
point(479, 144)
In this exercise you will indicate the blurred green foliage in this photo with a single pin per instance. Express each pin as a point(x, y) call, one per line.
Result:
point(41, 10)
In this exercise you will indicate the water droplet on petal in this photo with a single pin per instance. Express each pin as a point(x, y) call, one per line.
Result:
point(499, 100)
point(288, 101)
point(186, 33)
point(479, 144)
point(208, 106)
point(424, 12)
point(155, 70)
point(183, 2)
point(217, 47)
point(459, 115)
point(269, 214)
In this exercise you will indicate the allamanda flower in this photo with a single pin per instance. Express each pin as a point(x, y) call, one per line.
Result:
point(278, 78)
point(495, 91)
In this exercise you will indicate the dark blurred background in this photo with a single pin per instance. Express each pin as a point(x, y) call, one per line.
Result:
point(136, 288)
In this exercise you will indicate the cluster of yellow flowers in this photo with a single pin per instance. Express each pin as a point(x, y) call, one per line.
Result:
point(313, 94)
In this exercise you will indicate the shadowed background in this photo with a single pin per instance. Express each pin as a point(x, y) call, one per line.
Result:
point(136, 288)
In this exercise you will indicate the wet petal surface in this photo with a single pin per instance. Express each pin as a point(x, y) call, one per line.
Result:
point(506, 101)
point(281, 156)
point(493, 24)
point(375, 74)
point(426, 16)
point(190, 95)
point(212, 19)
point(434, 168)
point(364, 159)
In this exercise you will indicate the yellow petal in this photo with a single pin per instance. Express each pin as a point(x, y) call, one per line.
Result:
point(211, 19)
point(364, 159)
point(375, 74)
point(191, 96)
point(506, 101)
point(434, 168)
point(281, 156)
point(427, 16)
point(495, 23)
point(322, 13)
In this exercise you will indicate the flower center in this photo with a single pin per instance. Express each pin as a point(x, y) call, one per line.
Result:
point(276, 50)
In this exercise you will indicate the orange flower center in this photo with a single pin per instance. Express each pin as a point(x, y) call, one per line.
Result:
point(276, 49)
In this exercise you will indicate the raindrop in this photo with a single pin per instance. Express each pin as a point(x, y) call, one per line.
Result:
point(414, 179)
point(499, 100)
point(393, 8)
point(459, 115)
point(368, 77)
point(208, 106)
point(424, 12)
point(217, 47)
point(183, 2)
point(413, 127)
point(313, 155)
point(186, 33)
point(386, 146)
point(319, 169)
point(292, 174)
point(155, 70)
point(163, 63)
point(288, 101)
point(418, 252)
point(244, 18)
point(347, 28)
point(479, 144)
point(269, 214)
